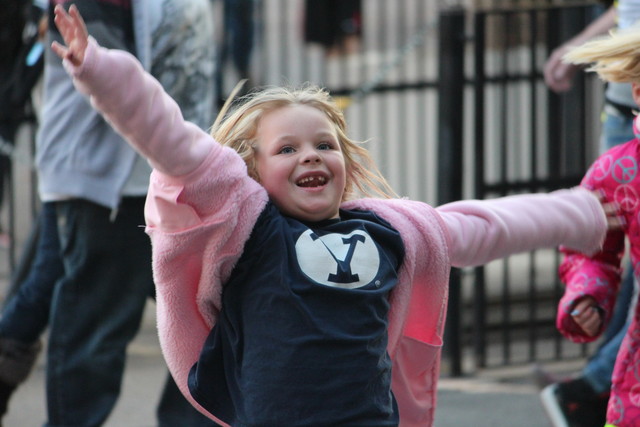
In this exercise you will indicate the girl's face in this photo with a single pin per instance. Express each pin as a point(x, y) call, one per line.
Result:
point(300, 163)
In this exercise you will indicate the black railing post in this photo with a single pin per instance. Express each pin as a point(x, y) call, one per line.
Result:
point(450, 161)
point(479, 330)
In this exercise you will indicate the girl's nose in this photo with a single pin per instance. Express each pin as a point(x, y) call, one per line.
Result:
point(311, 156)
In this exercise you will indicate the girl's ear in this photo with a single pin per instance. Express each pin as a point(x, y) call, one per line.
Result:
point(635, 90)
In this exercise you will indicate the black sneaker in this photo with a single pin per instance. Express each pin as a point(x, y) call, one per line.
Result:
point(574, 403)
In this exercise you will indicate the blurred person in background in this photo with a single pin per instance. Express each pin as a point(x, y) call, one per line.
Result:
point(93, 188)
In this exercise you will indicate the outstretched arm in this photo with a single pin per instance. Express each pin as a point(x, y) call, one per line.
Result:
point(483, 230)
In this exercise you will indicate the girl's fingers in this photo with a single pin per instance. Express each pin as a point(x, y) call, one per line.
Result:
point(77, 20)
point(60, 50)
point(68, 23)
point(74, 33)
point(62, 23)
point(615, 220)
point(582, 306)
point(587, 317)
point(591, 326)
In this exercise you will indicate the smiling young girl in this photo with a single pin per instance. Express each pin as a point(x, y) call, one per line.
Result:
point(283, 298)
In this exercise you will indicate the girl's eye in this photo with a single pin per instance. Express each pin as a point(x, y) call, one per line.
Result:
point(286, 150)
point(325, 146)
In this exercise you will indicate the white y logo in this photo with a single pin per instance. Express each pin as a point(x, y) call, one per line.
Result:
point(339, 260)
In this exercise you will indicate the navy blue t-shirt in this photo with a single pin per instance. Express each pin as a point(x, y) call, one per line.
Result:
point(301, 339)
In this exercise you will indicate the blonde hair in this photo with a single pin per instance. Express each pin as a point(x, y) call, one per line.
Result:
point(615, 58)
point(237, 129)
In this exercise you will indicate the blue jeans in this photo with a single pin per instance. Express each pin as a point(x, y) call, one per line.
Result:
point(617, 128)
point(96, 311)
point(26, 315)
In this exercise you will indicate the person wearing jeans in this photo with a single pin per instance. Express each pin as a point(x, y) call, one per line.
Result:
point(94, 187)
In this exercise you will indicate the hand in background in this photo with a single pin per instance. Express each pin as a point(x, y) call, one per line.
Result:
point(587, 316)
point(74, 32)
point(558, 75)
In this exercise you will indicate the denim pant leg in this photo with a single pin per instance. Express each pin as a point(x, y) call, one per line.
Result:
point(96, 309)
point(599, 369)
point(26, 314)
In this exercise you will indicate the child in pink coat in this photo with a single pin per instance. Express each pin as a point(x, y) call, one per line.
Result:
point(284, 299)
point(592, 281)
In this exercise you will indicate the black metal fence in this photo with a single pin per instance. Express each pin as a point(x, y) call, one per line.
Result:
point(524, 139)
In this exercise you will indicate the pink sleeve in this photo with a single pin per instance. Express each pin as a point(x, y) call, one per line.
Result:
point(137, 106)
point(582, 276)
point(483, 230)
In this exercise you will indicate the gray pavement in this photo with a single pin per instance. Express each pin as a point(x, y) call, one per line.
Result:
point(499, 397)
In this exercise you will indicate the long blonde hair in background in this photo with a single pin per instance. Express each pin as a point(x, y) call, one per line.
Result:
point(616, 58)
point(236, 128)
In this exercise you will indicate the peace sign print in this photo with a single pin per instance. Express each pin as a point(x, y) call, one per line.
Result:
point(579, 282)
point(601, 168)
point(615, 412)
point(625, 169)
point(626, 197)
point(597, 281)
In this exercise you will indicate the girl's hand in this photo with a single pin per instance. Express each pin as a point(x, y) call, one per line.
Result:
point(74, 32)
point(615, 221)
point(587, 315)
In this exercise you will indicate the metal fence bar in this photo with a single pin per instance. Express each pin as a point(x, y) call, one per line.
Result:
point(479, 290)
point(450, 154)
point(532, 306)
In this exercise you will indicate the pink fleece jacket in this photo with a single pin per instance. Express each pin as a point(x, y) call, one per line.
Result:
point(202, 206)
point(615, 174)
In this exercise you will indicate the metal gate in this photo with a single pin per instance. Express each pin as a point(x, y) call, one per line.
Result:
point(520, 138)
